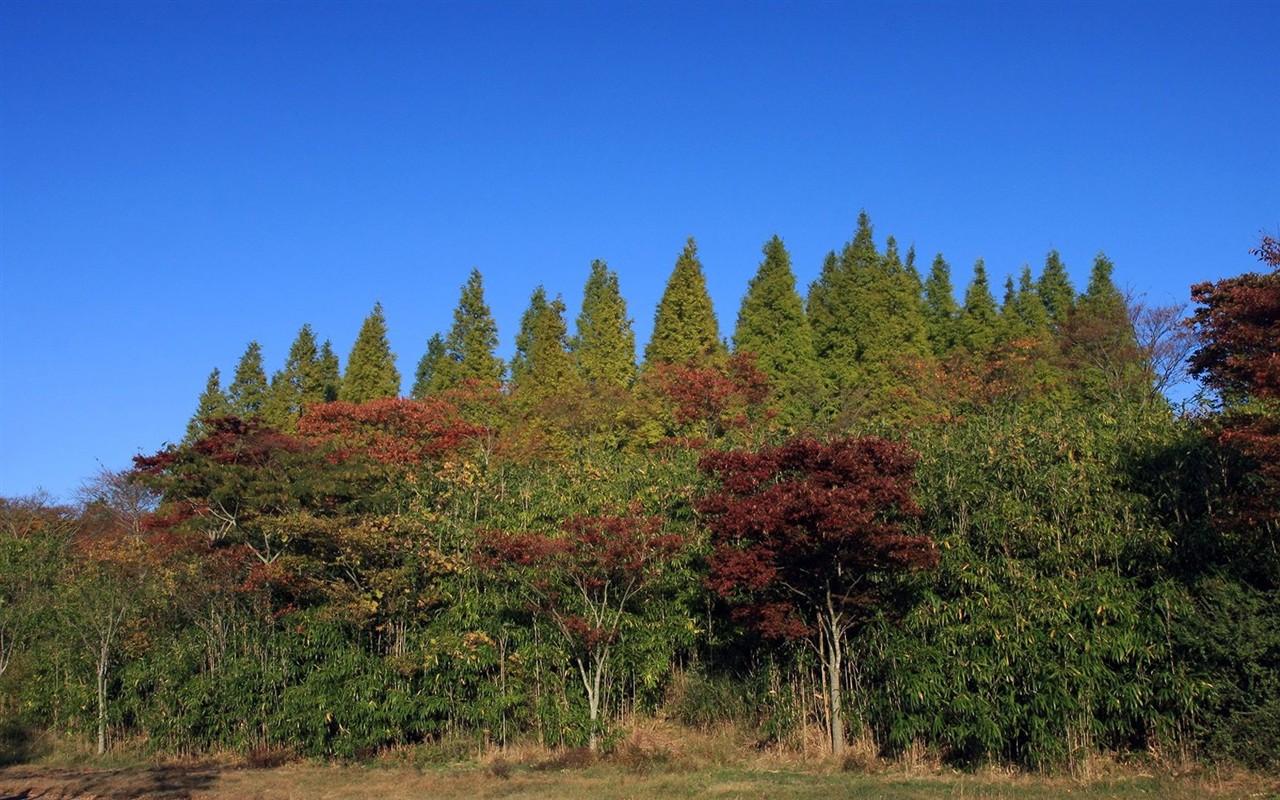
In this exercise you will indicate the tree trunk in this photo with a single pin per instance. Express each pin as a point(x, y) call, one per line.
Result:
point(103, 654)
point(835, 703)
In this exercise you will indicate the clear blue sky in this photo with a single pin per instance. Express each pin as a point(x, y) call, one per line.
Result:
point(179, 178)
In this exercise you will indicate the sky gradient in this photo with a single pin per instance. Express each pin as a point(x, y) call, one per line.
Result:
point(177, 179)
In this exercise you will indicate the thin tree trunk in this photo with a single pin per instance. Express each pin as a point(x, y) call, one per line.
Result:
point(835, 709)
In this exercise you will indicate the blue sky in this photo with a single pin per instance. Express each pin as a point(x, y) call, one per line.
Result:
point(177, 179)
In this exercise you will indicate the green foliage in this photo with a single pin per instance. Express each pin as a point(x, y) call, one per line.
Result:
point(213, 403)
point(604, 346)
point(248, 390)
point(979, 320)
point(773, 326)
point(684, 325)
point(428, 365)
point(299, 384)
point(469, 347)
point(941, 313)
point(1054, 289)
point(328, 372)
point(371, 367)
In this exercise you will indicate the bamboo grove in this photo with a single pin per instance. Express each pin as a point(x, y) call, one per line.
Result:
point(973, 526)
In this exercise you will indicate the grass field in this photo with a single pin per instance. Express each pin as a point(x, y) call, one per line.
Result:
point(599, 782)
point(655, 760)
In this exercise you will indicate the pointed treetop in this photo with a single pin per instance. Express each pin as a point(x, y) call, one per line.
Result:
point(371, 367)
point(525, 337)
point(941, 312)
point(1054, 288)
point(328, 372)
point(604, 347)
point(979, 320)
point(546, 365)
point(248, 389)
point(427, 367)
point(213, 403)
point(469, 347)
point(684, 326)
point(772, 325)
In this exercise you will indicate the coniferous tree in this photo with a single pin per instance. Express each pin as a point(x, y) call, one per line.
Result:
point(213, 403)
point(371, 367)
point(605, 345)
point(1030, 308)
point(546, 366)
point(684, 325)
point(772, 325)
point(1054, 289)
point(469, 347)
point(248, 390)
point(428, 365)
point(297, 385)
point(1099, 340)
point(941, 315)
point(979, 321)
point(520, 360)
point(896, 327)
point(328, 373)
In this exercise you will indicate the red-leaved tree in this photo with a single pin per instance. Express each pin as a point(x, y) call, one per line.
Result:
point(802, 532)
point(588, 580)
point(1238, 327)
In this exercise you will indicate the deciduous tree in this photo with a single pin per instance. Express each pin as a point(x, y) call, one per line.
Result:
point(802, 533)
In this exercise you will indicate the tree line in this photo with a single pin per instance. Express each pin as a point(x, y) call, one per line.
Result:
point(977, 528)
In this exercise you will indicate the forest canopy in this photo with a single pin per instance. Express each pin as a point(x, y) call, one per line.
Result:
point(886, 509)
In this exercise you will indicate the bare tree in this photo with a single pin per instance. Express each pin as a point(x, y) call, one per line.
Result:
point(1164, 339)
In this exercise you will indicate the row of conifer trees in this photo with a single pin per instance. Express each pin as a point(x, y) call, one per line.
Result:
point(867, 314)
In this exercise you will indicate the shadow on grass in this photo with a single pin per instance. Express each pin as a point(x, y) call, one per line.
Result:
point(162, 783)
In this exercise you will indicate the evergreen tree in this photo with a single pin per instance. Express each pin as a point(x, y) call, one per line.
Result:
point(941, 314)
point(520, 360)
point(980, 320)
point(546, 365)
point(605, 346)
point(248, 390)
point(371, 367)
point(427, 367)
point(684, 325)
point(772, 325)
point(1054, 289)
point(896, 326)
point(1100, 342)
point(297, 385)
point(1030, 313)
point(469, 347)
point(213, 403)
point(328, 373)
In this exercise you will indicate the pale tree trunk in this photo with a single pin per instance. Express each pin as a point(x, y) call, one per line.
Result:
point(106, 636)
point(835, 702)
point(592, 680)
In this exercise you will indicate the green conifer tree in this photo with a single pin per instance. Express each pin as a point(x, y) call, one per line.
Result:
point(328, 373)
point(1032, 315)
point(469, 347)
point(546, 367)
point(213, 403)
point(604, 347)
point(772, 325)
point(371, 367)
point(428, 365)
point(1054, 289)
point(521, 358)
point(248, 390)
point(1100, 342)
point(684, 326)
point(296, 385)
point(979, 321)
point(942, 313)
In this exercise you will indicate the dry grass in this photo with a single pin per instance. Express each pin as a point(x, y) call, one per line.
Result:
point(654, 759)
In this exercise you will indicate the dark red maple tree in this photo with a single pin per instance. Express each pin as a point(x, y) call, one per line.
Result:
point(803, 531)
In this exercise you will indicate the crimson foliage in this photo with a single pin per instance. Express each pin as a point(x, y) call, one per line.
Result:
point(804, 529)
